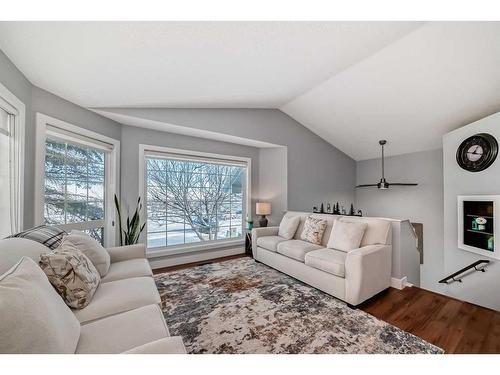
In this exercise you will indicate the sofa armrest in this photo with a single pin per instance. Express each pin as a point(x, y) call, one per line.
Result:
point(367, 272)
point(261, 232)
point(121, 253)
point(167, 345)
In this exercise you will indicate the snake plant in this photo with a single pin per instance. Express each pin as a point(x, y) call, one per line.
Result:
point(130, 236)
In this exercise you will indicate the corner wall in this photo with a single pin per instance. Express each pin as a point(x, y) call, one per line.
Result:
point(420, 204)
point(38, 100)
point(479, 288)
point(317, 171)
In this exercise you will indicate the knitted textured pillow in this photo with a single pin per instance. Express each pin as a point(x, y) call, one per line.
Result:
point(313, 230)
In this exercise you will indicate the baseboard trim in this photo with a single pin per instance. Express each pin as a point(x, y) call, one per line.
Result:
point(399, 283)
point(202, 255)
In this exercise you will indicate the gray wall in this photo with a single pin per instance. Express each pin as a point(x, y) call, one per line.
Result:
point(317, 171)
point(273, 182)
point(38, 100)
point(421, 204)
point(480, 288)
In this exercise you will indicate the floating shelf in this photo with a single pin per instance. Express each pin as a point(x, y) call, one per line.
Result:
point(479, 232)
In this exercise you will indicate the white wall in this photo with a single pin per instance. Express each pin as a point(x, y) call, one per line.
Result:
point(480, 288)
point(421, 204)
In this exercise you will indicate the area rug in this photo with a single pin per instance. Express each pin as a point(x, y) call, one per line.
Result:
point(241, 306)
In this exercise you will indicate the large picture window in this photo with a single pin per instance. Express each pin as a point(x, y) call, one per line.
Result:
point(192, 201)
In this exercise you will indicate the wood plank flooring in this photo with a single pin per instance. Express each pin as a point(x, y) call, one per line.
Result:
point(455, 326)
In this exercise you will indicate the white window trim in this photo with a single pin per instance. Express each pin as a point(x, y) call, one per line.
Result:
point(112, 171)
point(186, 248)
point(19, 108)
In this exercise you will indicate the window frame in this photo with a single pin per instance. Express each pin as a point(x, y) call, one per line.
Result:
point(189, 155)
point(45, 125)
point(17, 108)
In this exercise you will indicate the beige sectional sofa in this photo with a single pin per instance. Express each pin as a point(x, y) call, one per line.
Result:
point(124, 315)
point(352, 276)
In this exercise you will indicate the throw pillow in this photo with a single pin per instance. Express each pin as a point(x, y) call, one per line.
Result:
point(313, 230)
point(72, 274)
point(48, 236)
point(346, 236)
point(288, 226)
point(92, 249)
point(33, 318)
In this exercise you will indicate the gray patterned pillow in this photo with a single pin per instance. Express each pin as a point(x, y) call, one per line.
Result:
point(72, 274)
point(313, 230)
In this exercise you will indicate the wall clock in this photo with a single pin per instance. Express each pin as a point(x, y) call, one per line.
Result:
point(477, 153)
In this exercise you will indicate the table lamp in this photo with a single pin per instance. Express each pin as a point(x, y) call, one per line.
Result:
point(263, 209)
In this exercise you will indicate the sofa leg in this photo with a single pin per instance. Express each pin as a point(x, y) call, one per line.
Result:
point(353, 307)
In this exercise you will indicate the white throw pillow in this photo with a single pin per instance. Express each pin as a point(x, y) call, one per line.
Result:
point(33, 317)
point(92, 249)
point(346, 236)
point(288, 226)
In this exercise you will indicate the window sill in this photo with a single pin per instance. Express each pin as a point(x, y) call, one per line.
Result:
point(183, 249)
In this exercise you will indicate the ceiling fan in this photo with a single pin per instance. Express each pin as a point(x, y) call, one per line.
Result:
point(383, 184)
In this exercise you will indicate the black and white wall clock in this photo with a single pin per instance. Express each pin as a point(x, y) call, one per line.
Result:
point(478, 152)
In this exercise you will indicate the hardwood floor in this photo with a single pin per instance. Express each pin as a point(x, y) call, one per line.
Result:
point(455, 326)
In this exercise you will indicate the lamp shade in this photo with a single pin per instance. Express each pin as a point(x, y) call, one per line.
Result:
point(263, 209)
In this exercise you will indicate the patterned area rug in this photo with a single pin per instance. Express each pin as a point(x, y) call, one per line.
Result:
point(241, 306)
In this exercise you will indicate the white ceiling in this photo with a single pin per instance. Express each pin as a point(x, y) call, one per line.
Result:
point(351, 83)
point(189, 64)
point(438, 78)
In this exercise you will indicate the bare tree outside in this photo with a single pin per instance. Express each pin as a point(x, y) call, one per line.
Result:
point(185, 197)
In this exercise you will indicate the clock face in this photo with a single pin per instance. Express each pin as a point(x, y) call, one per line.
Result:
point(477, 153)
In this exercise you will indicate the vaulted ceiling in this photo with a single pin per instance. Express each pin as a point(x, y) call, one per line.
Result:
point(351, 83)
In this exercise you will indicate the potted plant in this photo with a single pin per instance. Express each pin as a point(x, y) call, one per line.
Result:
point(130, 236)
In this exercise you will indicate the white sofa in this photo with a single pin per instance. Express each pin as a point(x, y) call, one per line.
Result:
point(352, 276)
point(124, 315)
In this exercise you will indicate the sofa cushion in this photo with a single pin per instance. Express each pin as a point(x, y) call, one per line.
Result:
point(269, 242)
point(122, 332)
point(119, 296)
point(346, 236)
point(92, 249)
point(71, 273)
point(127, 269)
point(328, 260)
point(313, 230)
point(168, 345)
point(13, 249)
point(33, 318)
point(296, 249)
point(378, 231)
point(49, 236)
point(288, 226)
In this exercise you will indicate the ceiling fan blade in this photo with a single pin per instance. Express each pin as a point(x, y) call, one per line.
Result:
point(366, 185)
point(402, 183)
